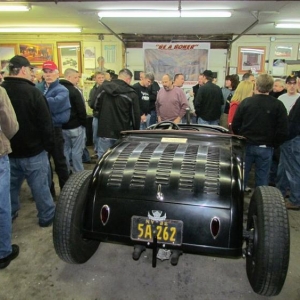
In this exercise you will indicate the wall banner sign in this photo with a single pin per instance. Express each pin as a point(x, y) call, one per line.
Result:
point(190, 59)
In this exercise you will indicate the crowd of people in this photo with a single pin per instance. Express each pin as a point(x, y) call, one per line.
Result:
point(47, 119)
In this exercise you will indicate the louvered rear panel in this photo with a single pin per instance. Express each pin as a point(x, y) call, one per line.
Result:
point(176, 162)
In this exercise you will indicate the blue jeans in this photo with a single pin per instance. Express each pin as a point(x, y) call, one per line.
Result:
point(193, 120)
point(5, 208)
point(282, 182)
point(143, 125)
point(95, 131)
point(35, 170)
point(201, 121)
point(73, 147)
point(104, 144)
point(290, 162)
point(262, 158)
point(153, 118)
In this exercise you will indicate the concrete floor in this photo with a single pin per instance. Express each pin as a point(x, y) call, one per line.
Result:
point(112, 274)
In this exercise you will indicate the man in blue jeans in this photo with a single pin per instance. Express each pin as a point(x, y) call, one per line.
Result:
point(31, 143)
point(289, 160)
point(262, 119)
point(8, 128)
point(59, 104)
point(74, 130)
point(119, 110)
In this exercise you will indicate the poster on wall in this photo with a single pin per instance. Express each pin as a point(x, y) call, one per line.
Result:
point(37, 53)
point(190, 59)
point(7, 51)
point(89, 58)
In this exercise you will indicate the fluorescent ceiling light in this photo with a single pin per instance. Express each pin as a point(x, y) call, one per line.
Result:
point(39, 29)
point(287, 25)
point(15, 8)
point(205, 14)
point(137, 13)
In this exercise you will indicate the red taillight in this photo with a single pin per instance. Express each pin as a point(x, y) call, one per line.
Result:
point(215, 227)
point(104, 214)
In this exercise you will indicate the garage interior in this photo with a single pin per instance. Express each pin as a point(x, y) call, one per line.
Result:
point(112, 274)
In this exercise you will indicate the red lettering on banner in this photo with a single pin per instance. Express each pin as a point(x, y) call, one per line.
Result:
point(176, 47)
point(185, 47)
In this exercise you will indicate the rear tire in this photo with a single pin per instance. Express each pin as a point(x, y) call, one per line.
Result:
point(269, 247)
point(69, 244)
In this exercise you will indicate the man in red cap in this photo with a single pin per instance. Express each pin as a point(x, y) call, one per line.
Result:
point(59, 103)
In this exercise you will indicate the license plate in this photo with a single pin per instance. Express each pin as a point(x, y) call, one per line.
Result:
point(167, 231)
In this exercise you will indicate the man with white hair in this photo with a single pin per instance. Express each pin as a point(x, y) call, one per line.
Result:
point(278, 88)
point(74, 129)
point(58, 99)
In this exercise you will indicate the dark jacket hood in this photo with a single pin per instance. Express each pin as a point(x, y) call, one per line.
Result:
point(117, 87)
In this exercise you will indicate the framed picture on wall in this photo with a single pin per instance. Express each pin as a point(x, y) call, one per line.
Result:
point(36, 53)
point(283, 51)
point(251, 59)
point(69, 56)
point(7, 51)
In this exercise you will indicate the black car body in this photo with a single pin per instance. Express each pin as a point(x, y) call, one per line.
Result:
point(178, 188)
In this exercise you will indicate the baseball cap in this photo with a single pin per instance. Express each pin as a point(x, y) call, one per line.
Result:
point(19, 61)
point(49, 65)
point(291, 78)
point(208, 73)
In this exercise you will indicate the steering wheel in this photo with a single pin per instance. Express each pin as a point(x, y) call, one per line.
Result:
point(166, 125)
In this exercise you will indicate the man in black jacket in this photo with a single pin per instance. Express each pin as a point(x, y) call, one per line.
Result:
point(142, 89)
point(32, 142)
point(208, 101)
point(99, 79)
point(262, 119)
point(74, 130)
point(119, 110)
point(290, 158)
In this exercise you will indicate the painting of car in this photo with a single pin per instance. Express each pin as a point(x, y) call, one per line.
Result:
point(173, 189)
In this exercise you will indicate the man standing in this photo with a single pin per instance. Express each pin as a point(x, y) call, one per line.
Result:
point(28, 159)
point(171, 103)
point(249, 77)
point(58, 99)
point(142, 90)
point(178, 80)
point(289, 98)
point(101, 62)
point(278, 88)
point(262, 119)
point(74, 130)
point(153, 90)
point(8, 128)
point(99, 79)
point(200, 83)
point(290, 158)
point(119, 110)
point(208, 101)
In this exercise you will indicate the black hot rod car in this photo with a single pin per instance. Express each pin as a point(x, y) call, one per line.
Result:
point(173, 189)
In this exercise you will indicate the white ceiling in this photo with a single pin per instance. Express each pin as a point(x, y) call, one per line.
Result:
point(84, 14)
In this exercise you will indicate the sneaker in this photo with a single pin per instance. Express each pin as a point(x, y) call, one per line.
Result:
point(4, 262)
point(46, 224)
point(290, 205)
point(247, 189)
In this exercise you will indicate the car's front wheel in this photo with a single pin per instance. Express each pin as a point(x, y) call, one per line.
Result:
point(268, 245)
point(69, 244)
